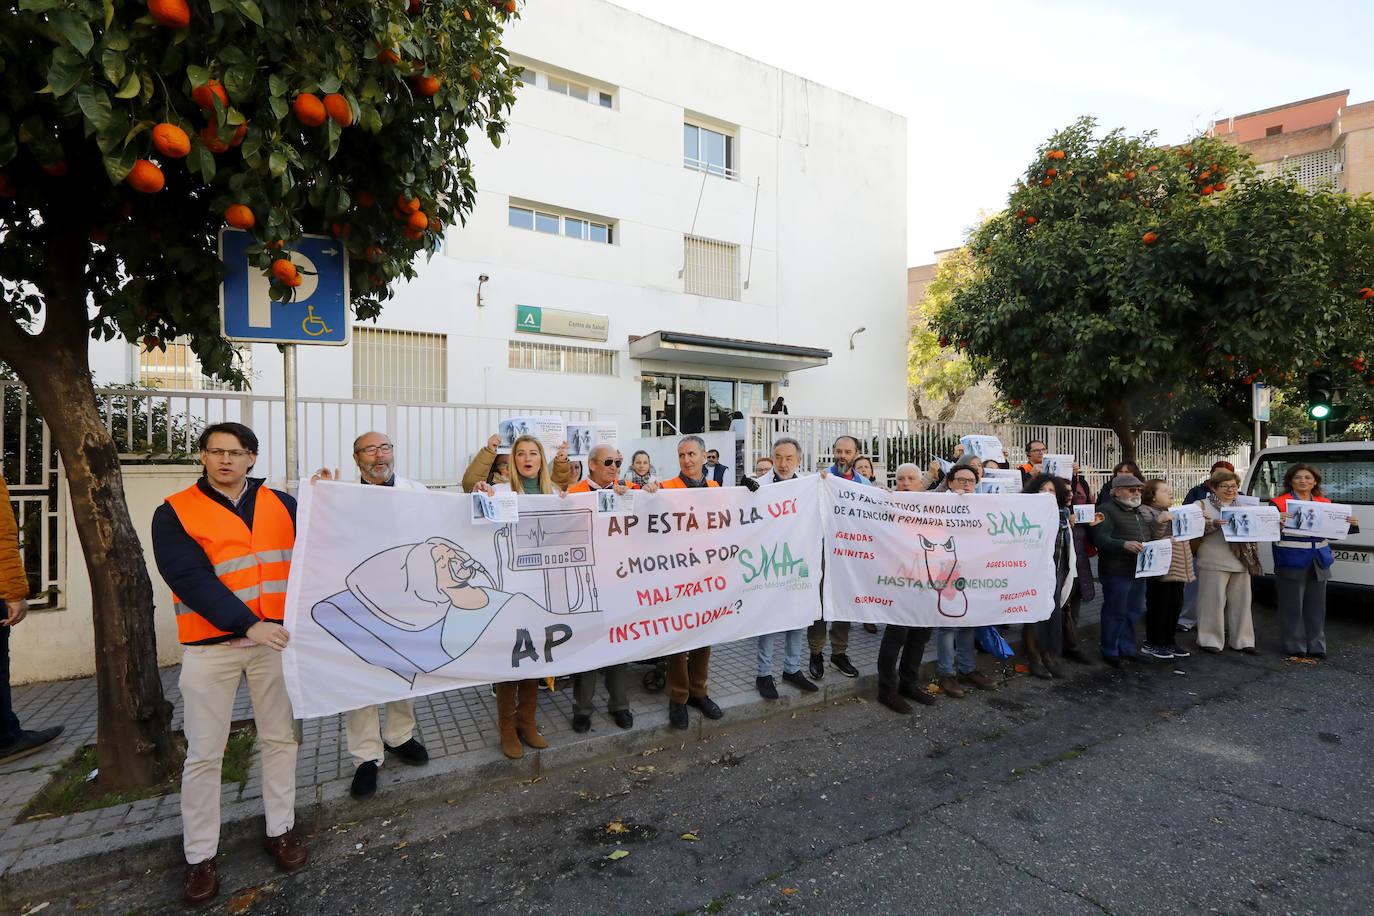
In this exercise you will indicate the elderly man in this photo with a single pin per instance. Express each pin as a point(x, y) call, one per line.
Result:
point(899, 654)
point(717, 471)
point(845, 450)
point(224, 547)
point(956, 662)
point(786, 456)
point(375, 456)
point(1121, 535)
point(603, 465)
point(687, 671)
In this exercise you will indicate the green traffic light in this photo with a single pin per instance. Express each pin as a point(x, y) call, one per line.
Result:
point(1319, 411)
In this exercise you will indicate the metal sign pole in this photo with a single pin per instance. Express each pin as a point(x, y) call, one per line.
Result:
point(289, 380)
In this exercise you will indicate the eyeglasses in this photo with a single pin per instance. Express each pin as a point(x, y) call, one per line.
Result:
point(371, 450)
point(231, 452)
point(612, 462)
point(1037, 450)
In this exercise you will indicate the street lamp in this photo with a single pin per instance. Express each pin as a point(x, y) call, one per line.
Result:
point(851, 336)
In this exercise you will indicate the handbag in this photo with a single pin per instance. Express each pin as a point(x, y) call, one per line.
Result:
point(992, 642)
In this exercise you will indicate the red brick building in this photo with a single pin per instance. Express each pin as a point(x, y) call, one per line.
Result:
point(1323, 140)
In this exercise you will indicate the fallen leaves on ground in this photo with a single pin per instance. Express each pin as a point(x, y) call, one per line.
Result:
point(618, 854)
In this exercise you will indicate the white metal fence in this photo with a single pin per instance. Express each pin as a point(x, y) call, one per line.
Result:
point(38, 494)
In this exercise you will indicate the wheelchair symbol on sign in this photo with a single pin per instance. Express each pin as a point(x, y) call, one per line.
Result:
point(311, 321)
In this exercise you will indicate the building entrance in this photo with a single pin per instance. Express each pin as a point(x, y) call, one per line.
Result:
point(677, 405)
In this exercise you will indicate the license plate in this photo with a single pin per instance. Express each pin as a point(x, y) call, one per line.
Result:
point(1352, 556)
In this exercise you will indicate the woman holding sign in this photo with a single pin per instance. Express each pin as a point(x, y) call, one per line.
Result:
point(1224, 570)
point(1045, 638)
point(1164, 594)
point(1301, 568)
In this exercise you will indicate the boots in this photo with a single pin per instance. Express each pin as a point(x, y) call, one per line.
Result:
point(524, 714)
point(505, 721)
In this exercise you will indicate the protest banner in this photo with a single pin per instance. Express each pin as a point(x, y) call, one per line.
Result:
point(401, 593)
point(1250, 523)
point(583, 437)
point(1154, 558)
point(1060, 466)
point(937, 559)
point(1317, 520)
point(1188, 521)
point(984, 448)
point(550, 431)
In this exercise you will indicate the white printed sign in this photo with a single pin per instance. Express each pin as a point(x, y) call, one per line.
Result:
point(1058, 466)
point(1154, 558)
point(1318, 520)
point(498, 508)
point(550, 431)
point(984, 448)
point(1006, 473)
point(1250, 523)
point(1084, 515)
point(583, 437)
point(397, 593)
point(609, 502)
point(1188, 522)
point(990, 484)
point(937, 559)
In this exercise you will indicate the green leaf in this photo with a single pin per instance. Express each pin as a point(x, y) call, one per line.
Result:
point(335, 132)
point(74, 28)
point(276, 163)
point(115, 40)
point(66, 71)
point(119, 166)
point(131, 87)
point(198, 76)
point(278, 106)
point(238, 81)
point(207, 163)
point(330, 84)
point(276, 85)
point(113, 63)
point(109, 12)
point(95, 105)
point(250, 9)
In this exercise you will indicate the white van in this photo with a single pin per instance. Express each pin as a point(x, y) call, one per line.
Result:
point(1347, 477)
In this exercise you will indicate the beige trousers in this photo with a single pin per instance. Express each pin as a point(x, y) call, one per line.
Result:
point(209, 680)
point(1223, 606)
point(365, 734)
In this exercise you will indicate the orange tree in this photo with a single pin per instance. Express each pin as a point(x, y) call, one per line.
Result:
point(1134, 285)
point(130, 134)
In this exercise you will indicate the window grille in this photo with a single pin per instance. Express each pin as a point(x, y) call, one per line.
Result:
point(1311, 170)
point(710, 268)
point(544, 357)
point(404, 366)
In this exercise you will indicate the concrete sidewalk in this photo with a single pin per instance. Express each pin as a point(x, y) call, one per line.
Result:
point(457, 727)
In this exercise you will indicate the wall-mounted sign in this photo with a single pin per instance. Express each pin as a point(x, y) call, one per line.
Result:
point(533, 319)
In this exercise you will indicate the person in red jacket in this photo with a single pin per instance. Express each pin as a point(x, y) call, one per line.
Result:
point(224, 547)
point(1301, 565)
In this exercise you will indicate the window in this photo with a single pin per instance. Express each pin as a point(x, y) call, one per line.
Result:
point(539, 77)
point(710, 268)
point(405, 366)
point(708, 150)
point(177, 367)
point(546, 220)
point(543, 357)
point(1273, 131)
point(1320, 169)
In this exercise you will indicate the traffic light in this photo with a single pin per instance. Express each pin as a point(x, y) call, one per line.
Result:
point(1339, 420)
point(1320, 394)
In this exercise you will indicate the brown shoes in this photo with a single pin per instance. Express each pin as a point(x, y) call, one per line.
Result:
point(288, 849)
point(978, 679)
point(201, 882)
point(950, 685)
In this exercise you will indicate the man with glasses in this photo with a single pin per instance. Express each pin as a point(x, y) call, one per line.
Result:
point(603, 466)
point(1035, 460)
point(845, 451)
point(368, 741)
point(786, 458)
point(715, 470)
point(224, 546)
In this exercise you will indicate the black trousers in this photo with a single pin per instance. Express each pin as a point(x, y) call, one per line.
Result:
point(899, 656)
point(1163, 602)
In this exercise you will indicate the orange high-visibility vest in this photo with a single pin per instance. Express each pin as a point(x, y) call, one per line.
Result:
point(675, 483)
point(252, 563)
point(585, 486)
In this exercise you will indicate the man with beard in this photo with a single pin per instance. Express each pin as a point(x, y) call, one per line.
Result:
point(1121, 535)
point(845, 450)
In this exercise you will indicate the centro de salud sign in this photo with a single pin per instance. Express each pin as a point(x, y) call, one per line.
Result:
point(533, 319)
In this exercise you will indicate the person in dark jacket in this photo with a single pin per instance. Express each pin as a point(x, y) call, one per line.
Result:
point(1122, 535)
point(1301, 568)
point(1125, 467)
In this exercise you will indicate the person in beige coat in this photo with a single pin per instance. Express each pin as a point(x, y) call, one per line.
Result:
point(1164, 594)
point(1224, 571)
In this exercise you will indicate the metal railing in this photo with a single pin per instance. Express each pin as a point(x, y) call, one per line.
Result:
point(38, 494)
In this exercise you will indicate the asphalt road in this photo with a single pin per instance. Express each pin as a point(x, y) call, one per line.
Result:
point(1230, 784)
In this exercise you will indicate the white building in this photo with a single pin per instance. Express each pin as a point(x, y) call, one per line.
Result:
point(721, 231)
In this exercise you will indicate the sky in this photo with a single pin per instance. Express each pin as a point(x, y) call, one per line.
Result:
point(982, 85)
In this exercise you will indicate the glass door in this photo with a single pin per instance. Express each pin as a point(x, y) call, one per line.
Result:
point(692, 406)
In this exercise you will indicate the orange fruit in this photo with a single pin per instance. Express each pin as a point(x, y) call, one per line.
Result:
point(413, 7)
point(1130, 175)
point(1030, 221)
point(413, 233)
point(293, 281)
point(174, 14)
point(388, 57)
point(407, 204)
point(146, 177)
point(99, 236)
point(284, 270)
point(205, 96)
point(338, 108)
point(476, 74)
point(1046, 183)
point(239, 133)
point(467, 17)
point(510, 6)
point(1366, 293)
point(426, 85)
point(171, 141)
point(1219, 186)
point(239, 216)
point(418, 220)
point(1149, 238)
point(1208, 189)
point(210, 137)
point(309, 110)
point(56, 170)
point(373, 253)
point(1052, 172)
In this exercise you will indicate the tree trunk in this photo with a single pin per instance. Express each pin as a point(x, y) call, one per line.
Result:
point(134, 744)
point(1119, 419)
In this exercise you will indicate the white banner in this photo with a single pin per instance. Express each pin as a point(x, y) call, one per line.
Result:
point(402, 593)
point(937, 559)
point(1318, 520)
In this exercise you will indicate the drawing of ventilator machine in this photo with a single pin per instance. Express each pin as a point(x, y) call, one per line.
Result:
point(558, 544)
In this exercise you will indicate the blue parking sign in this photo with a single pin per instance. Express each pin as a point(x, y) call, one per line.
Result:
point(317, 315)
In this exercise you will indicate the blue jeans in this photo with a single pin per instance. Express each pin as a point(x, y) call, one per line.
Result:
point(954, 644)
point(791, 652)
point(1123, 604)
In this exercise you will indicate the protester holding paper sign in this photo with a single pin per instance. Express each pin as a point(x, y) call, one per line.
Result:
point(1119, 538)
point(957, 664)
point(899, 654)
point(1301, 569)
point(1164, 594)
point(845, 450)
point(1224, 571)
point(1046, 637)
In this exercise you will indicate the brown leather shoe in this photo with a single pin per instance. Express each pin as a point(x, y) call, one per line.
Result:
point(978, 679)
point(950, 685)
point(201, 882)
point(288, 849)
